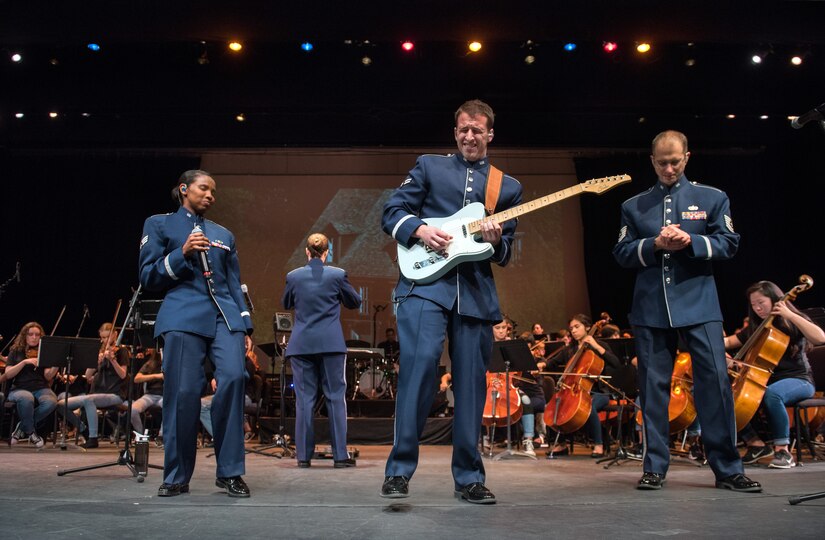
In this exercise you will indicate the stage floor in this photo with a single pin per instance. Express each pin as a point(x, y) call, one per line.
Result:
point(570, 497)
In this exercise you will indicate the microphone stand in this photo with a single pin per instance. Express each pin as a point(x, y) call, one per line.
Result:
point(125, 458)
point(621, 454)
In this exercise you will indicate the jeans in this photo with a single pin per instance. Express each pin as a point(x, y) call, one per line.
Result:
point(778, 395)
point(90, 403)
point(533, 407)
point(594, 426)
point(206, 411)
point(140, 405)
point(30, 415)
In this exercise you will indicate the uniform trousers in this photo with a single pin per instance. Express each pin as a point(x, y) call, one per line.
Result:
point(307, 372)
point(183, 381)
point(656, 350)
point(422, 328)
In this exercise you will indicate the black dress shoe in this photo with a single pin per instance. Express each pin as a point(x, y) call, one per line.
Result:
point(395, 487)
point(172, 490)
point(344, 463)
point(476, 493)
point(304, 464)
point(651, 480)
point(739, 482)
point(234, 486)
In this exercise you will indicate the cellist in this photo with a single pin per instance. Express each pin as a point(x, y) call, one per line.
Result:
point(791, 380)
point(579, 326)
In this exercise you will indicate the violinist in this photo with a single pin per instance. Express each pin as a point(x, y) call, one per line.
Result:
point(671, 235)
point(791, 381)
point(107, 382)
point(29, 384)
point(579, 326)
point(150, 375)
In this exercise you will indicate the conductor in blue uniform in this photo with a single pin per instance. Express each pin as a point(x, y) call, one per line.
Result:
point(317, 349)
point(194, 262)
point(671, 234)
point(462, 304)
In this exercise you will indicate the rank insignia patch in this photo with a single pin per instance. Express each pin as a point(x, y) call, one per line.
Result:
point(729, 223)
point(144, 240)
point(622, 233)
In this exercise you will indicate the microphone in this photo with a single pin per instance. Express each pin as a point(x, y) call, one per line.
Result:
point(813, 114)
point(204, 260)
point(17, 272)
point(246, 297)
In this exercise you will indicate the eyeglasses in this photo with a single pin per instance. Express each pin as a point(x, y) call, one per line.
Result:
point(663, 163)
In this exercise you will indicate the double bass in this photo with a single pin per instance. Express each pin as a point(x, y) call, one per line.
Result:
point(572, 399)
point(757, 359)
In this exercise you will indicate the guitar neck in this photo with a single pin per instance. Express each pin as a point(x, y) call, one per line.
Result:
point(536, 204)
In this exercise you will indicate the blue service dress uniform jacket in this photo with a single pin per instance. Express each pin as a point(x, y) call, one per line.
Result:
point(197, 319)
point(675, 298)
point(462, 305)
point(317, 350)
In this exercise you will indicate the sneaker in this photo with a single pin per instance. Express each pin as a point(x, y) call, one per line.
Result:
point(528, 449)
point(696, 453)
point(755, 453)
point(36, 440)
point(782, 460)
point(17, 435)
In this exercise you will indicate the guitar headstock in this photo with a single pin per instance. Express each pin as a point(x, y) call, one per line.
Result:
point(600, 185)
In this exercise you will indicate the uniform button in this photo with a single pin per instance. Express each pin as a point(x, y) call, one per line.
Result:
point(667, 222)
point(470, 171)
point(667, 269)
point(668, 210)
point(667, 255)
point(469, 189)
point(667, 280)
point(470, 179)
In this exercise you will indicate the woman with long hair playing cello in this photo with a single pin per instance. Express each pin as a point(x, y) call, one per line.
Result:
point(791, 380)
point(579, 327)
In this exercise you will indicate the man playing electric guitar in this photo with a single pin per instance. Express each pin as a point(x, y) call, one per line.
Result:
point(462, 303)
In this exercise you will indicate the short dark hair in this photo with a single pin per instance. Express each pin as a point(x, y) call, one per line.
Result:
point(186, 178)
point(475, 107)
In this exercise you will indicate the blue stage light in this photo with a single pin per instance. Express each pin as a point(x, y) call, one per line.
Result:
point(569, 47)
point(93, 47)
point(306, 46)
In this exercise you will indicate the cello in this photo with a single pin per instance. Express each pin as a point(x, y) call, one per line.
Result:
point(495, 407)
point(681, 410)
point(573, 403)
point(757, 359)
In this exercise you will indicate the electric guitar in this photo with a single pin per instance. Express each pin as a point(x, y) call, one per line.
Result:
point(422, 264)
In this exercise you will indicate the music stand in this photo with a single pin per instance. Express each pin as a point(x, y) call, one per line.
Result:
point(513, 355)
point(76, 355)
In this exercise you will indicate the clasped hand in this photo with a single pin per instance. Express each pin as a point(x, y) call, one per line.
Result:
point(672, 238)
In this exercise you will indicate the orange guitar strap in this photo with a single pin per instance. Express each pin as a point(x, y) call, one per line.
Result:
point(493, 190)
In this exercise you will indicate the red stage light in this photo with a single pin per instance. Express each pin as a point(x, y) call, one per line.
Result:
point(610, 46)
point(408, 46)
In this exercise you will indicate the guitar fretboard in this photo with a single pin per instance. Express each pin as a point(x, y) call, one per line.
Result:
point(597, 185)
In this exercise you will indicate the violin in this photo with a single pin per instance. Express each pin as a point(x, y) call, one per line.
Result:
point(496, 406)
point(757, 359)
point(573, 403)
